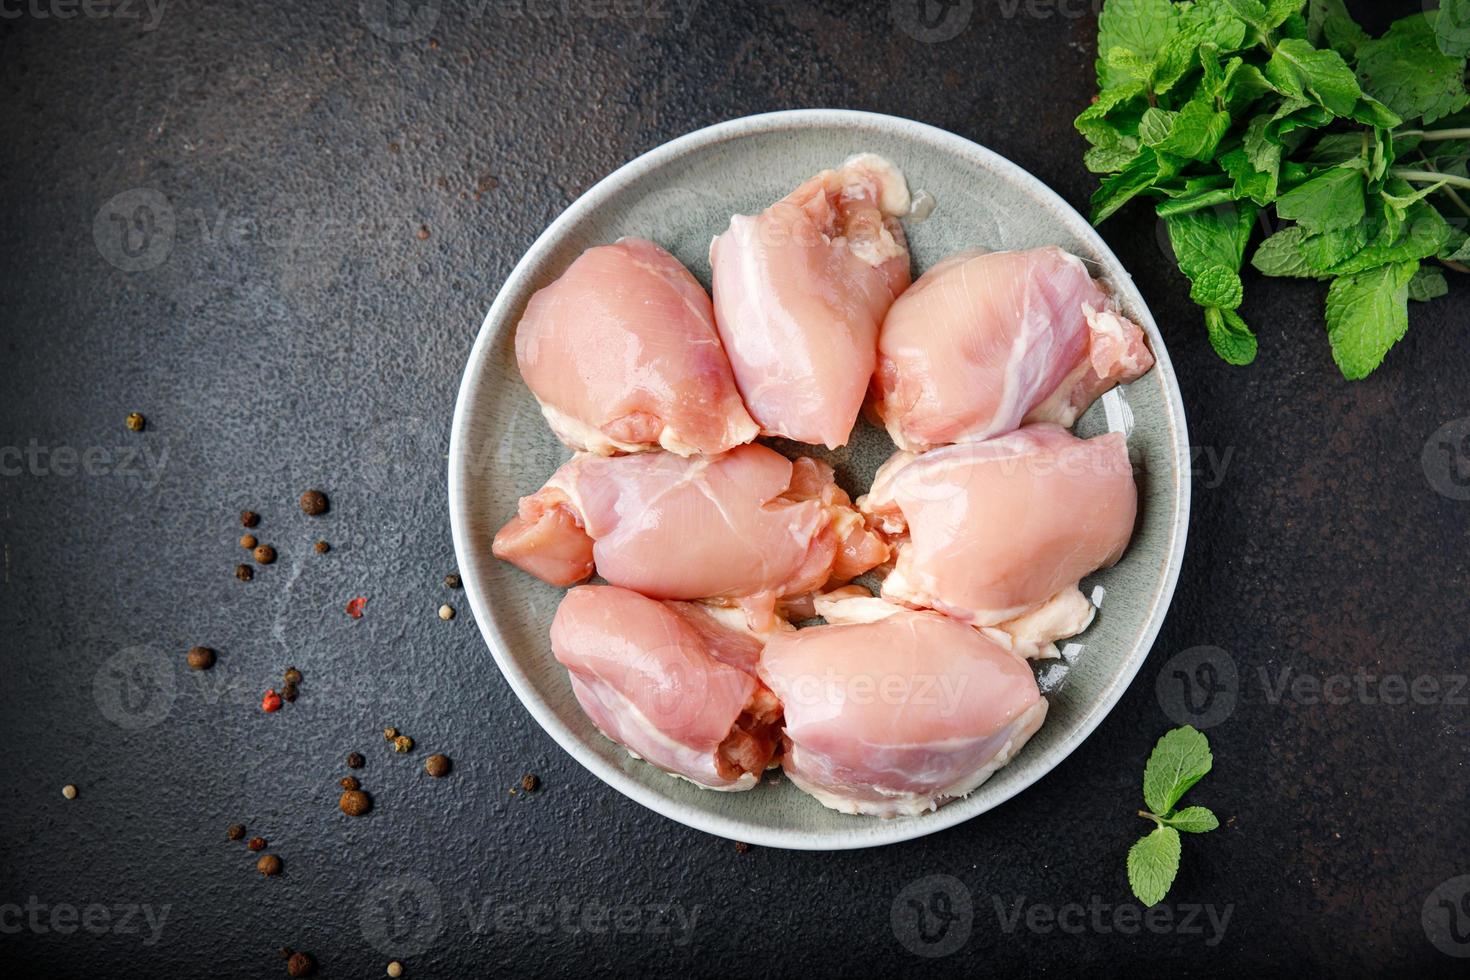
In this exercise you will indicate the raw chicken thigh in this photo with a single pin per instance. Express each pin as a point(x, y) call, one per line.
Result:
point(670, 683)
point(891, 711)
point(800, 291)
point(986, 341)
point(1001, 531)
point(748, 527)
point(623, 356)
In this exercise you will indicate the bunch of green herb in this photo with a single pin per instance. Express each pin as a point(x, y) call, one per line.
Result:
point(1219, 110)
point(1179, 760)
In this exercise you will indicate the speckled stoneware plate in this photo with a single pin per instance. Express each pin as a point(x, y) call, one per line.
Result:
point(682, 194)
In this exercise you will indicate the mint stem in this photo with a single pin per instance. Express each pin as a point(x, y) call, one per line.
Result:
point(1151, 816)
point(1435, 134)
point(1430, 177)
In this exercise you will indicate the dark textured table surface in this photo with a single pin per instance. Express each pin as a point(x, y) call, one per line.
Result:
point(286, 324)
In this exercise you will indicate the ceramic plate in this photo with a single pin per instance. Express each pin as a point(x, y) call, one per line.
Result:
point(681, 195)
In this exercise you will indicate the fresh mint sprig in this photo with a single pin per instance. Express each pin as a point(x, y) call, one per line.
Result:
point(1220, 111)
point(1179, 760)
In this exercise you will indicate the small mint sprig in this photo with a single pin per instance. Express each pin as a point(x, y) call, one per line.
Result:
point(1180, 759)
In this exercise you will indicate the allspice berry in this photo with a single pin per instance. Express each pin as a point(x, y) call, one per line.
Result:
point(350, 783)
point(136, 421)
point(355, 760)
point(354, 803)
point(395, 969)
point(322, 547)
point(256, 844)
point(249, 518)
point(236, 831)
point(529, 782)
point(437, 766)
point(201, 658)
point(268, 865)
point(402, 744)
point(248, 542)
point(292, 676)
point(313, 503)
point(300, 965)
point(244, 573)
point(265, 554)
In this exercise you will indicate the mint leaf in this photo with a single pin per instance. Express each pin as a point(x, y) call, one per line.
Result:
point(1218, 286)
point(1179, 760)
point(1367, 313)
point(1207, 22)
point(1259, 186)
point(1232, 339)
point(1281, 254)
point(1205, 239)
point(1452, 28)
point(1332, 199)
point(1329, 20)
point(1152, 864)
point(1406, 71)
point(1111, 159)
point(1428, 283)
point(1122, 187)
point(1299, 70)
point(1461, 254)
point(1422, 234)
point(1138, 27)
point(1193, 820)
point(1196, 131)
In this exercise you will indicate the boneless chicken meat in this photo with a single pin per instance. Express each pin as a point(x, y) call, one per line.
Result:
point(986, 341)
point(999, 533)
point(800, 290)
point(749, 527)
point(670, 682)
point(891, 711)
point(623, 356)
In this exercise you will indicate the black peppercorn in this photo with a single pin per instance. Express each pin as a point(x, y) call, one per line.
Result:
point(249, 518)
point(201, 658)
point(293, 676)
point(350, 783)
point(355, 760)
point(322, 547)
point(236, 831)
point(529, 782)
point(256, 844)
point(244, 573)
point(313, 503)
point(288, 692)
point(136, 422)
point(354, 803)
point(452, 581)
point(300, 965)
